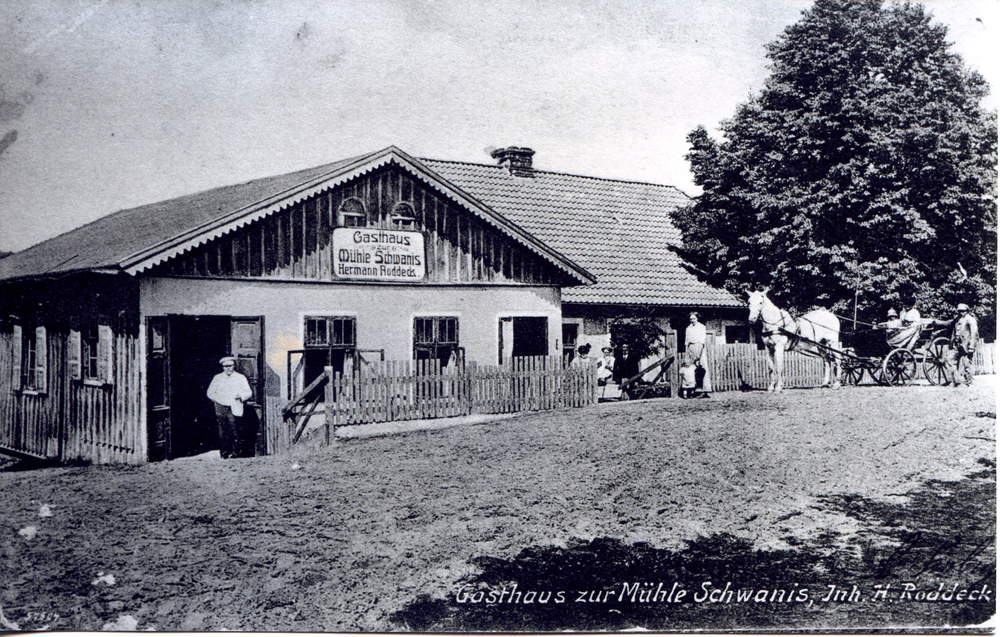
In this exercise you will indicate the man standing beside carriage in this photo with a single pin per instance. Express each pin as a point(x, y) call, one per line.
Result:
point(962, 345)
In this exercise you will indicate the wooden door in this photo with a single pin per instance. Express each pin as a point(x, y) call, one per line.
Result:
point(247, 346)
point(506, 345)
point(158, 388)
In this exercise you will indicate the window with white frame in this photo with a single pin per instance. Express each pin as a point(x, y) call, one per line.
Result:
point(403, 216)
point(30, 358)
point(89, 344)
point(352, 214)
point(89, 355)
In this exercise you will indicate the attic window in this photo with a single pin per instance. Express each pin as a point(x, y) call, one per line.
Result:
point(403, 216)
point(351, 213)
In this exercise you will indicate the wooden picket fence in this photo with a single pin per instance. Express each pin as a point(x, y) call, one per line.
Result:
point(410, 390)
point(739, 366)
point(385, 391)
point(984, 361)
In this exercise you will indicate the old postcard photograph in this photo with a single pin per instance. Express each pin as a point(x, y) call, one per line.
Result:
point(448, 316)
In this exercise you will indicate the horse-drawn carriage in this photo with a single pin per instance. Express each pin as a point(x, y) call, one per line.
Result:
point(877, 351)
point(891, 356)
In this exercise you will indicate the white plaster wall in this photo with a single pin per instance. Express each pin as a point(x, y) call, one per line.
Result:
point(384, 313)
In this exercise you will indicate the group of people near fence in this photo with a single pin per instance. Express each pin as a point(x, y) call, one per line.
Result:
point(903, 330)
point(615, 370)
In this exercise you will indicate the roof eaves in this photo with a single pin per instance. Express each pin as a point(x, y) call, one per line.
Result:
point(235, 219)
point(50, 275)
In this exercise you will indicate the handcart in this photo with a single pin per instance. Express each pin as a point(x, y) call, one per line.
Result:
point(635, 388)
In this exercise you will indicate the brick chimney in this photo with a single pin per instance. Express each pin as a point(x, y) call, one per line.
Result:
point(516, 160)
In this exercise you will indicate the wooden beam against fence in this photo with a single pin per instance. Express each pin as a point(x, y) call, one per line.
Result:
point(395, 390)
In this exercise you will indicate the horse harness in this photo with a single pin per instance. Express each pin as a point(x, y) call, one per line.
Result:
point(783, 329)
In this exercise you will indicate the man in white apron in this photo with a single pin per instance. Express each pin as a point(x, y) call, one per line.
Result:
point(229, 390)
point(696, 352)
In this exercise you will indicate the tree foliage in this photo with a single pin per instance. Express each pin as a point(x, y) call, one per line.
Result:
point(637, 327)
point(865, 165)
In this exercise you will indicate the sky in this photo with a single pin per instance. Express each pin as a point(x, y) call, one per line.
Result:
point(111, 104)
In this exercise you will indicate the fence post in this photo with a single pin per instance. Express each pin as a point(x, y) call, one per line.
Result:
point(470, 388)
point(673, 373)
point(328, 402)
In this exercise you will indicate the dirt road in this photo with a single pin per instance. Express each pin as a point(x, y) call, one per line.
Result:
point(866, 496)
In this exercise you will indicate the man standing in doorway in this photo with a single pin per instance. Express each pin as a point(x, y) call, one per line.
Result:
point(696, 351)
point(229, 390)
point(964, 336)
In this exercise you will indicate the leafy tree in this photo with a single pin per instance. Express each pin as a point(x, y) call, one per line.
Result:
point(637, 327)
point(865, 166)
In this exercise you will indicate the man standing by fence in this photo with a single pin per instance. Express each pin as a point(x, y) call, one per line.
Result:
point(964, 337)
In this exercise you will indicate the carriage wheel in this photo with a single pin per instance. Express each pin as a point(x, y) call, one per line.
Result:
point(853, 373)
point(899, 367)
point(935, 368)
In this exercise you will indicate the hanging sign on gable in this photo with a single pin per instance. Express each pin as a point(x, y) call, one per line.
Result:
point(383, 255)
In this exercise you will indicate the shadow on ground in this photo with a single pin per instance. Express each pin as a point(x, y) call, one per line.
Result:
point(10, 464)
point(930, 562)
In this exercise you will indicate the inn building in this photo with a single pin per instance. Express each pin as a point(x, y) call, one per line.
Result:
point(110, 333)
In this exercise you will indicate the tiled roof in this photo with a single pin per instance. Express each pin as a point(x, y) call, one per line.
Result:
point(617, 230)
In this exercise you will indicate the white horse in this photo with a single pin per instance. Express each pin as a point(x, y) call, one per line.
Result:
point(781, 332)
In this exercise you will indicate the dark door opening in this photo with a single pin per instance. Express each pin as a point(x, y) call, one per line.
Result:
point(181, 366)
point(197, 344)
point(531, 336)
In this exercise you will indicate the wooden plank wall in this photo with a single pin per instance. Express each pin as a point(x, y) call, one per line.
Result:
point(74, 420)
point(104, 420)
point(30, 422)
point(296, 243)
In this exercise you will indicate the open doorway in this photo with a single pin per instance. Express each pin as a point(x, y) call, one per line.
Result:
point(523, 336)
point(182, 358)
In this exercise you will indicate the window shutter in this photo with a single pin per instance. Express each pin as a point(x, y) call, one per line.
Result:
point(18, 344)
point(74, 355)
point(41, 360)
point(105, 341)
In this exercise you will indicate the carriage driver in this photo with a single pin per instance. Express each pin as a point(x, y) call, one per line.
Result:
point(909, 331)
point(893, 328)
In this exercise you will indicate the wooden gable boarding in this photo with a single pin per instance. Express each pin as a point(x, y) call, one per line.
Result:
point(296, 242)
